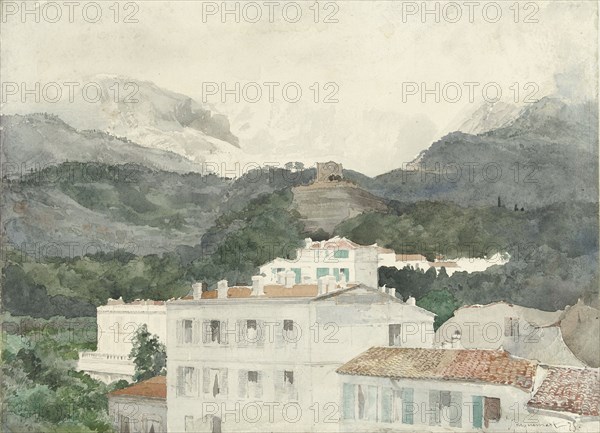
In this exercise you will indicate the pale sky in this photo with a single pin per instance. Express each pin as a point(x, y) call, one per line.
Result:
point(368, 54)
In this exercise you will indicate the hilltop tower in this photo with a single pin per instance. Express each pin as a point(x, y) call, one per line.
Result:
point(329, 172)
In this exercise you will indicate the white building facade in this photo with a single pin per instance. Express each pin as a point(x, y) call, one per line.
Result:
point(263, 358)
point(338, 257)
point(117, 324)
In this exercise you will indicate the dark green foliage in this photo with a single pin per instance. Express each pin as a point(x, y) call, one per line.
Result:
point(41, 391)
point(149, 355)
point(440, 302)
point(242, 241)
point(432, 228)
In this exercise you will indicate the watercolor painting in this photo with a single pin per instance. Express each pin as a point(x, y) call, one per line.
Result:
point(299, 216)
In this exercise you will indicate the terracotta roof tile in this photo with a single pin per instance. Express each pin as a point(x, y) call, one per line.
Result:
point(271, 291)
point(151, 388)
point(496, 367)
point(569, 390)
point(410, 258)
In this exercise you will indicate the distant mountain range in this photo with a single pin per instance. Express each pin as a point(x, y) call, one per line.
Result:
point(544, 153)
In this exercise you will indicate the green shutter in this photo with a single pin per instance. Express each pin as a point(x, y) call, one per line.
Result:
point(298, 273)
point(477, 411)
point(348, 401)
point(341, 254)
point(321, 272)
point(407, 406)
point(336, 273)
point(347, 274)
point(387, 396)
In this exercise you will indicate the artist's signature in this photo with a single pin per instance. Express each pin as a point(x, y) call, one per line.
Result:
point(558, 426)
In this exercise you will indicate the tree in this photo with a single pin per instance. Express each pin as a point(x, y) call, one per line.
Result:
point(149, 355)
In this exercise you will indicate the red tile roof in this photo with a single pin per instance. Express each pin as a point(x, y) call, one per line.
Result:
point(443, 264)
point(410, 258)
point(151, 388)
point(569, 390)
point(496, 367)
point(270, 290)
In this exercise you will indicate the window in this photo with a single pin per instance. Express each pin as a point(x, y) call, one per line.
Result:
point(251, 330)
point(250, 384)
point(214, 381)
point(289, 334)
point(288, 378)
point(491, 410)
point(394, 331)
point(346, 273)
point(125, 424)
point(367, 402)
point(186, 381)
point(187, 332)
point(321, 272)
point(215, 331)
point(189, 423)
point(511, 327)
point(298, 273)
point(341, 254)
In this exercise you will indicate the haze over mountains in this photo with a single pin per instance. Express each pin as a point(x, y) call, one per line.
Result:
point(534, 156)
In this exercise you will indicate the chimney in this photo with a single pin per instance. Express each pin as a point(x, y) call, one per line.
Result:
point(322, 285)
point(456, 340)
point(258, 285)
point(222, 289)
point(392, 292)
point(331, 284)
point(411, 301)
point(197, 290)
point(290, 279)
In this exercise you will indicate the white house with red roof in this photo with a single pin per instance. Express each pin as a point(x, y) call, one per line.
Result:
point(263, 357)
point(439, 390)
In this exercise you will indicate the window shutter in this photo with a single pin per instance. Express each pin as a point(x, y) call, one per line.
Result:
point(241, 334)
point(477, 411)
point(456, 408)
point(206, 331)
point(278, 384)
point(261, 331)
point(387, 398)
point(224, 387)
point(206, 380)
point(408, 409)
point(434, 407)
point(180, 381)
point(348, 401)
point(197, 332)
point(242, 382)
point(223, 331)
point(507, 326)
point(179, 331)
point(259, 388)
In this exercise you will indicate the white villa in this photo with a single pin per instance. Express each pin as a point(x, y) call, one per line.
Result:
point(339, 257)
point(263, 357)
point(117, 324)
